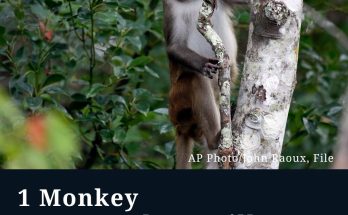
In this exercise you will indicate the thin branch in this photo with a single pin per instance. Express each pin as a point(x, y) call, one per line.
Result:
point(73, 20)
point(206, 29)
point(327, 25)
point(92, 51)
point(82, 37)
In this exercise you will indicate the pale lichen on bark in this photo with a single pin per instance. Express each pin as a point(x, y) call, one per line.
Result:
point(268, 82)
point(267, 85)
point(206, 29)
point(277, 12)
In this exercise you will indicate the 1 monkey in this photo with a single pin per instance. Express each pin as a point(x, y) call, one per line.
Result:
point(194, 91)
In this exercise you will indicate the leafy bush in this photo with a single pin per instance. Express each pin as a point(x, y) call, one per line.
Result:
point(45, 141)
point(95, 62)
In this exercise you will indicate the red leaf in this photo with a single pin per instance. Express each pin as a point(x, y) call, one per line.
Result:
point(48, 36)
point(36, 132)
point(45, 32)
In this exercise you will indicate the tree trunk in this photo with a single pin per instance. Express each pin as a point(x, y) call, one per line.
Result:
point(268, 82)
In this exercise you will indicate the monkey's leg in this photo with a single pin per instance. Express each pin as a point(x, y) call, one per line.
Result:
point(211, 159)
point(209, 117)
point(212, 162)
point(184, 146)
point(212, 133)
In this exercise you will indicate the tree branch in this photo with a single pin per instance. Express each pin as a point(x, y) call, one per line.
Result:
point(205, 28)
point(327, 25)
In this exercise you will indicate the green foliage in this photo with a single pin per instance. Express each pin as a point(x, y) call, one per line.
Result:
point(322, 79)
point(102, 65)
point(98, 69)
point(45, 141)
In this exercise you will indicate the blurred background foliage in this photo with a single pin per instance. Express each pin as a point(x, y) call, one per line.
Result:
point(85, 85)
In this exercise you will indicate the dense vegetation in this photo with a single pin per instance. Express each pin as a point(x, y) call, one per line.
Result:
point(84, 84)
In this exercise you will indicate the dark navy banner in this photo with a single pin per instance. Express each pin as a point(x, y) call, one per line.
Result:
point(174, 192)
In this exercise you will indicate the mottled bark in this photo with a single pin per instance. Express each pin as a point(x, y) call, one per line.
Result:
point(268, 82)
point(206, 29)
point(341, 154)
point(320, 20)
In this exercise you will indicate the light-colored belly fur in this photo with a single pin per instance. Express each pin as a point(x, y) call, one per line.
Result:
point(186, 23)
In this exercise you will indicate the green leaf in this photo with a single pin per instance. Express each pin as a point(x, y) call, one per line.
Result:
point(107, 135)
point(79, 101)
point(118, 99)
point(96, 88)
point(162, 151)
point(19, 13)
point(53, 89)
point(151, 165)
point(139, 62)
point(63, 141)
point(119, 136)
point(142, 99)
point(83, 13)
point(39, 11)
point(2, 30)
point(135, 42)
point(165, 128)
point(118, 71)
point(53, 79)
point(79, 97)
point(117, 60)
point(141, 94)
point(335, 110)
point(151, 72)
point(142, 106)
point(34, 103)
point(23, 86)
point(163, 111)
point(2, 41)
point(309, 125)
point(20, 53)
point(116, 123)
point(9, 111)
point(52, 4)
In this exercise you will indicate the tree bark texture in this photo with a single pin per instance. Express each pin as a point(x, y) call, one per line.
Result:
point(206, 29)
point(268, 82)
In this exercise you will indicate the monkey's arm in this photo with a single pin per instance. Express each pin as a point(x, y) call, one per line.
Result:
point(193, 61)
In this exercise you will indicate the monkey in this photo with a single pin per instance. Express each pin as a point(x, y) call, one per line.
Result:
point(194, 90)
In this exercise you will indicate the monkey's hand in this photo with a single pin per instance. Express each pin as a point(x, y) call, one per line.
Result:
point(211, 67)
